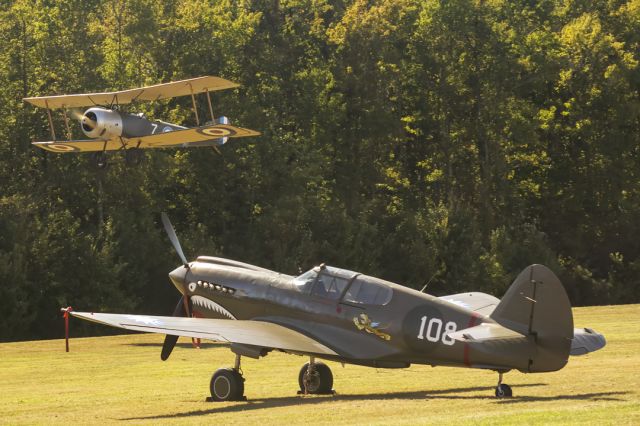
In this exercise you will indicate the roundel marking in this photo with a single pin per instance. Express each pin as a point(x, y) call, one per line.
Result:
point(61, 148)
point(216, 132)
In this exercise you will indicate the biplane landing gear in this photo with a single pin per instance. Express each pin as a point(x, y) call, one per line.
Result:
point(100, 160)
point(227, 384)
point(503, 390)
point(133, 156)
point(315, 378)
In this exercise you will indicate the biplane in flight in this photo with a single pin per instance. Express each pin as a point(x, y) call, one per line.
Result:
point(109, 129)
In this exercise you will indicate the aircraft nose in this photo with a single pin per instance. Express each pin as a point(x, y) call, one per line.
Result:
point(178, 278)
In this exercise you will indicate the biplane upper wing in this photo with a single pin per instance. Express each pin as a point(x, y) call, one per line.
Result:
point(247, 332)
point(197, 136)
point(148, 93)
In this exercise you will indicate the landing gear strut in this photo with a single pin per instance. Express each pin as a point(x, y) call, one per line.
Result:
point(133, 156)
point(315, 378)
point(100, 160)
point(227, 384)
point(503, 390)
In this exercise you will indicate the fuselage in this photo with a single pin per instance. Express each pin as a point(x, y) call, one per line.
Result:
point(364, 319)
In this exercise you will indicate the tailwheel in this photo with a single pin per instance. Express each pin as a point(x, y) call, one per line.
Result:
point(503, 390)
point(227, 384)
point(315, 378)
point(100, 160)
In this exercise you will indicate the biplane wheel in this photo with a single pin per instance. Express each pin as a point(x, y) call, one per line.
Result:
point(227, 384)
point(317, 381)
point(503, 391)
point(100, 160)
point(133, 156)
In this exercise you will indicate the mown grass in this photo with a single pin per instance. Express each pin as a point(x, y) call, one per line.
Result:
point(121, 379)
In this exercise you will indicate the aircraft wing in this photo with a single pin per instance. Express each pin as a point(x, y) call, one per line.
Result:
point(89, 145)
point(481, 303)
point(148, 93)
point(256, 333)
point(198, 136)
point(191, 136)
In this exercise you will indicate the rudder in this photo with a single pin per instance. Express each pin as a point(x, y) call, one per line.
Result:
point(537, 306)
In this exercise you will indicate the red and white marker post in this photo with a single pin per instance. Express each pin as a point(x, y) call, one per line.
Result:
point(65, 314)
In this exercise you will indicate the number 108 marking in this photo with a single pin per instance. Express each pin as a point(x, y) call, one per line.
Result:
point(434, 330)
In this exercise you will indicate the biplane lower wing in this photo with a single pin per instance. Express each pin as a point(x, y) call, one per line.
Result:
point(197, 136)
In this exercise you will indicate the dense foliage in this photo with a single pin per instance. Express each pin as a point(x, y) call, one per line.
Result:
point(453, 142)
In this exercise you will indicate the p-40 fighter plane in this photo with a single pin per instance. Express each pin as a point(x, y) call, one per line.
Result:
point(112, 130)
point(344, 316)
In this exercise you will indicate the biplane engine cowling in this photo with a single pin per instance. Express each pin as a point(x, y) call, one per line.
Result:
point(101, 123)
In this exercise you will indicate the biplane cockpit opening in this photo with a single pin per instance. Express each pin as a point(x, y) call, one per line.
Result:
point(110, 129)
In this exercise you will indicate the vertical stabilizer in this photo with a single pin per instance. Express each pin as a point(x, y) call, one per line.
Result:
point(537, 306)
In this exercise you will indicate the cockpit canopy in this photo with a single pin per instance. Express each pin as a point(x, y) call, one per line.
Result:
point(351, 287)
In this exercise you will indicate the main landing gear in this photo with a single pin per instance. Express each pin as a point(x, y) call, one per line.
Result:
point(503, 390)
point(132, 157)
point(315, 378)
point(227, 384)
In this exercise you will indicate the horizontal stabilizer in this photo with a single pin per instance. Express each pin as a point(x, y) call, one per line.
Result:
point(499, 344)
point(483, 332)
point(475, 301)
point(586, 340)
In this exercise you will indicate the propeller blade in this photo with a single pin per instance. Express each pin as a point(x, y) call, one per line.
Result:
point(168, 345)
point(75, 113)
point(169, 340)
point(173, 237)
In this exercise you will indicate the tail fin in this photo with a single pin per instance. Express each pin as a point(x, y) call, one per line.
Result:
point(536, 305)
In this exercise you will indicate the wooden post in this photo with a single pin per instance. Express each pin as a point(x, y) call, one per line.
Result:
point(195, 108)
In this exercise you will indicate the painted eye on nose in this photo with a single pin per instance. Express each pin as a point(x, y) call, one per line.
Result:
point(192, 287)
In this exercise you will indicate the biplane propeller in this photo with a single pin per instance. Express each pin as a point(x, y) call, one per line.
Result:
point(109, 129)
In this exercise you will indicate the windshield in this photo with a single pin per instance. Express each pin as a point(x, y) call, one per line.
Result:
point(304, 282)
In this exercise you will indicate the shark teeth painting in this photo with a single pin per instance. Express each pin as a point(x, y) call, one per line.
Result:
point(203, 302)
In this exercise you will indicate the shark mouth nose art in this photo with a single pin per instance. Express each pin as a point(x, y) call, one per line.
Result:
point(203, 302)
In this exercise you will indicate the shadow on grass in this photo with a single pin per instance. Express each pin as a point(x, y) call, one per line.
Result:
point(597, 396)
point(259, 404)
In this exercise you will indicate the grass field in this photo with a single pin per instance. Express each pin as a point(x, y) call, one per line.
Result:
point(121, 379)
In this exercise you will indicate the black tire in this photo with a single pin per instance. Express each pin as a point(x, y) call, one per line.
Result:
point(227, 385)
point(133, 156)
point(100, 160)
point(503, 391)
point(320, 381)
